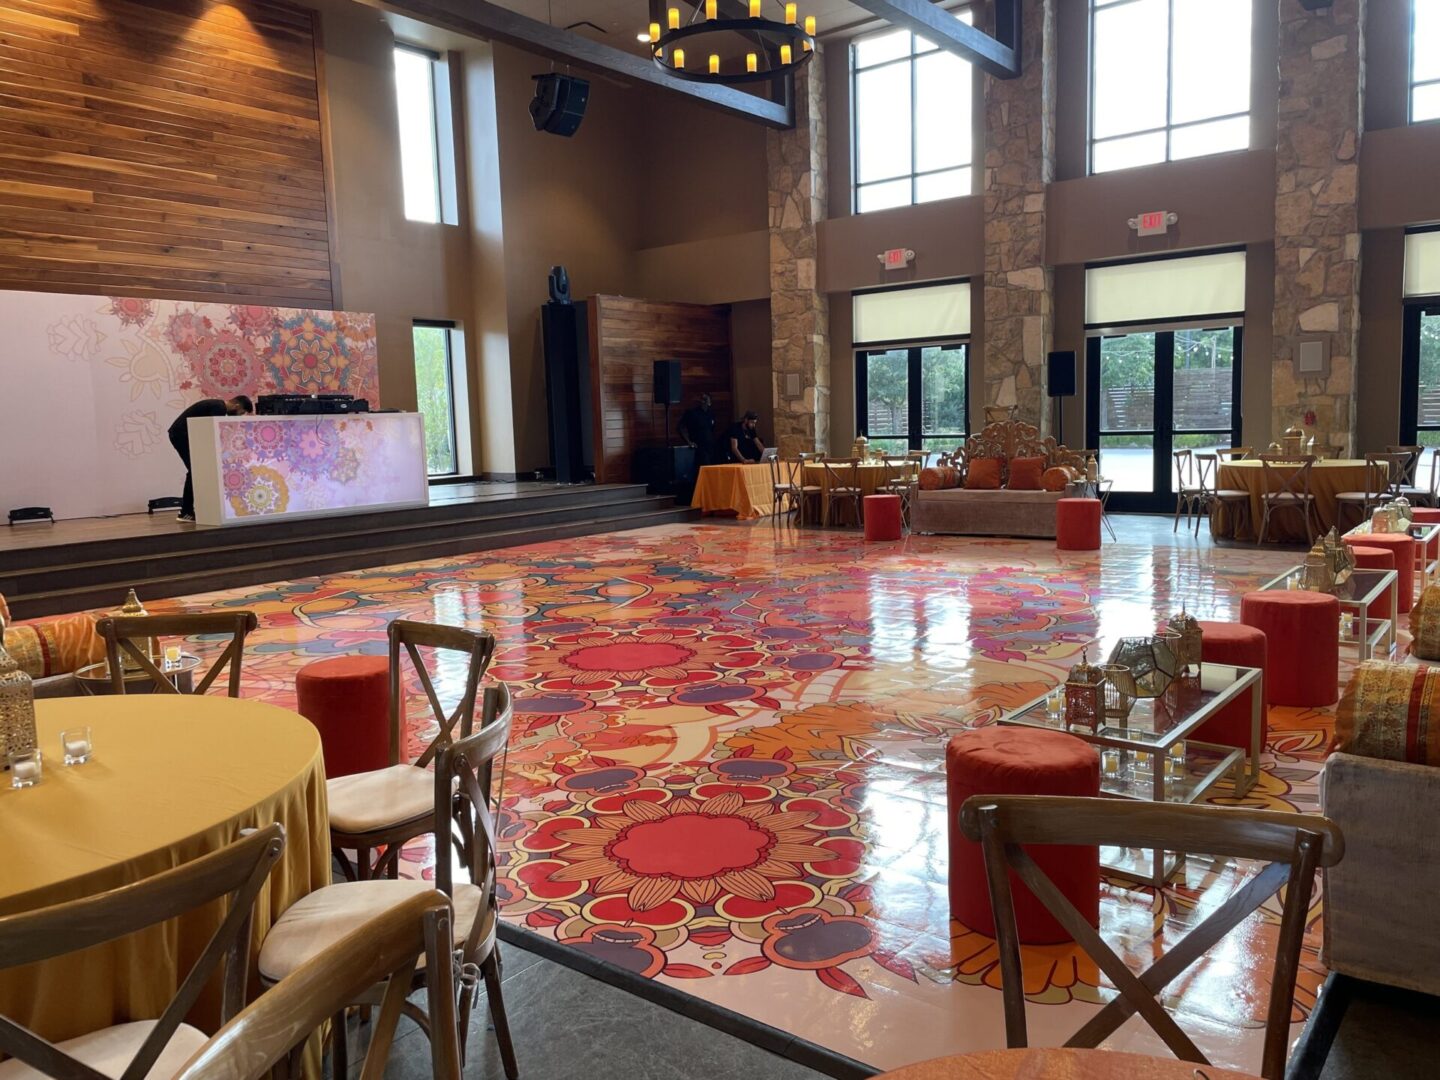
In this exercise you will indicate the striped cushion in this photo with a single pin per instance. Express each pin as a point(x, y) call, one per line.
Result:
point(1392, 712)
point(55, 647)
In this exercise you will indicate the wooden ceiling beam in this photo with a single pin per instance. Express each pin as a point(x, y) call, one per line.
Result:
point(490, 22)
point(998, 55)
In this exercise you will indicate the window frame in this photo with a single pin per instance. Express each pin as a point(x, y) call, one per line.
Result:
point(449, 326)
point(1410, 84)
point(434, 64)
point(1416, 308)
point(1169, 127)
point(915, 389)
point(913, 174)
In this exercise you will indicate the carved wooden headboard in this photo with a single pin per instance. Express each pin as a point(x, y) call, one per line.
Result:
point(1008, 439)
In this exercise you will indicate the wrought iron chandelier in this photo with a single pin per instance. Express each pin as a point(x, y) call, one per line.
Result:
point(772, 48)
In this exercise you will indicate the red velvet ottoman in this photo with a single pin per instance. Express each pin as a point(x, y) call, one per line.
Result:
point(1403, 545)
point(882, 517)
point(347, 698)
point(1077, 525)
point(1242, 646)
point(1374, 558)
point(1000, 760)
point(1302, 644)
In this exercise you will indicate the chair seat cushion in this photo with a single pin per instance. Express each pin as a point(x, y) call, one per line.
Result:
point(326, 915)
point(364, 802)
point(110, 1050)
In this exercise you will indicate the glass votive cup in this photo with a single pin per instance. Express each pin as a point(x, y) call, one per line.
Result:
point(1347, 623)
point(77, 745)
point(1055, 701)
point(1144, 763)
point(172, 657)
point(1174, 768)
point(1110, 763)
point(1292, 582)
point(25, 769)
point(1177, 751)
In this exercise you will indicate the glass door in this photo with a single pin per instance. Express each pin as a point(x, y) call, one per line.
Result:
point(1420, 385)
point(1152, 392)
point(912, 398)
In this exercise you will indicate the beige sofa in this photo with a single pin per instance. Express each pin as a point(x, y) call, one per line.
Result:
point(962, 512)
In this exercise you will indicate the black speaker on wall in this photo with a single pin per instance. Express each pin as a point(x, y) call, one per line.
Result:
point(559, 103)
point(667, 382)
point(1061, 380)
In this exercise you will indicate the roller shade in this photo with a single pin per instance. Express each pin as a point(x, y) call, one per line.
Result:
point(1422, 264)
point(933, 311)
point(1165, 289)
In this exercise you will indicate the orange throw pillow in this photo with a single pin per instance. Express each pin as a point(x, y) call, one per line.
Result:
point(932, 478)
point(1055, 478)
point(1026, 473)
point(983, 474)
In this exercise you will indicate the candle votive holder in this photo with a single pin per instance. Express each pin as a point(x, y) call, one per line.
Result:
point(1055, 702)
point(1110, 764)
point(172, 657)
point(25, 769)
point(77, 745)
point(1347, 624)
point(1177, 751)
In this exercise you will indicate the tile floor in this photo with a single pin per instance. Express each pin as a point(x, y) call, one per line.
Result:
point(797, 689)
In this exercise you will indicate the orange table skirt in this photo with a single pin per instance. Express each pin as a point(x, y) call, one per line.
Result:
point(1327, 480)
point(746, 491)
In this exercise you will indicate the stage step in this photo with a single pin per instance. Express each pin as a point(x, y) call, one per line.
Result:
point(45, 580)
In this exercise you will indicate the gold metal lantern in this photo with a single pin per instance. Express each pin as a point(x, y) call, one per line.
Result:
point(1084, 694)
point(1187, 629)
point(1119, 695)
point(1151, 661)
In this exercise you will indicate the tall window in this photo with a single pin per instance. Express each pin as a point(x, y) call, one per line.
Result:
point(912, 398)
point(912, 126)
point(416, 83)
point(1425, 61)
point(1420, 385)
point(1169, 79)
point(437, 396)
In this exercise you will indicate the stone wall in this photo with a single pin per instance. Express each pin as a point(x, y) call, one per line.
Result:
point(1317, 226)
point(799, 312)
point(1019, 163)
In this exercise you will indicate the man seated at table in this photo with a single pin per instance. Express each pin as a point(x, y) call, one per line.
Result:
point(743, 445)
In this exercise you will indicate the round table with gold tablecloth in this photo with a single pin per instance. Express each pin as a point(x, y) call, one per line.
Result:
point(1327, 479)
point(747, 490)
point(1058, 1063)
point(172, 778)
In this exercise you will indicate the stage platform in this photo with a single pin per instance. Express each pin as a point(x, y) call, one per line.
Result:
point(84, 563)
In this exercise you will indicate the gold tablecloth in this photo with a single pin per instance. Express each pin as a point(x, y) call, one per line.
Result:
point(173, 778)
point(747, 491)
point(1055, 1063)
point(1327, 479)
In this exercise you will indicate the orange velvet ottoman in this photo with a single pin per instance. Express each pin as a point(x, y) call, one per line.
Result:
point(1302, 644)
point(1374, 558)
point(1240, 646)
point(1077, 525)
point(999, 760)
point(347, 698)
point(1403, 545)
point(882, 517)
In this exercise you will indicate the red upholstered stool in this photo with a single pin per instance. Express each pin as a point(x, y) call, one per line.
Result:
point(1242, 646)
point(1077, 525)
point(1374, 558)
point(1302, 644)
point(882, 517)
point(1021, 761)
point(347, 698)
point(1403, 545)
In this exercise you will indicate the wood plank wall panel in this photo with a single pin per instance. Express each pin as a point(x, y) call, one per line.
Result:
point(627, 336)
point(167, 148)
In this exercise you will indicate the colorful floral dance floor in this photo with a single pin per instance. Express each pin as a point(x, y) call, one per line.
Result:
point(727, 772)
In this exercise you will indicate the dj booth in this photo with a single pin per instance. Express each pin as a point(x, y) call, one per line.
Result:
point(309, 404)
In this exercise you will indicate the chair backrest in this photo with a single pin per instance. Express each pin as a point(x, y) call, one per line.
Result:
point(466, 769)
point(779, 471)
point(234, 873)
point(1206, 466)
point(1184, 473)
point(900, 470)
point(1293, 845)
point(130, 635)
point(1235, 453)
point(1285, 474)
point(1385, 474)
point(1406, 474)
point(841, 473)
point(385, 949)
point(476, 646)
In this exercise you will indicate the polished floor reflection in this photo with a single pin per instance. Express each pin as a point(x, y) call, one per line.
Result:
point(728, 767)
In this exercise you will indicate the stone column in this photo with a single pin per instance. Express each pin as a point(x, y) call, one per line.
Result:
point(799, 312)
point(1317, 220)
point(1019, 163)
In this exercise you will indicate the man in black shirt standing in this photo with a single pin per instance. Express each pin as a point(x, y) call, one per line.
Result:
point(743, 440)
point(239, 405)
point(697, 428)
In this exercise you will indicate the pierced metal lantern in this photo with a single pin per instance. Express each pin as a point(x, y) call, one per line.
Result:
point(1119, 698)
point(1084, 694)
point(1151, 660)
point(1187, 629)
point(17, 706)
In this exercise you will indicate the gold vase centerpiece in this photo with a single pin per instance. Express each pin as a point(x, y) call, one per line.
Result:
point(1084, 694)
point(17, 706)
point(1293, 441)
point(860, 448)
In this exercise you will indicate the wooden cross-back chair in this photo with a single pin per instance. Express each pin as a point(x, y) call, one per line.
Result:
point(125, 637)
point(1384, 474)
point(466, 768)
point(1293, 845)
point(129, 1051)
point(383, 950)
point(1286, 486)
point(1408, 482)
point(385, 808)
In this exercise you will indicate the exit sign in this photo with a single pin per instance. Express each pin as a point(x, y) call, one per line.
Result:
point(896, 258)
point(1153, 222)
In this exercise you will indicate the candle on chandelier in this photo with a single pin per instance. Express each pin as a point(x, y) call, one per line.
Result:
point(679, 58)
point(751, 62)
point(810, 25)
point(754, 9)
point(789, 14)
point(785, 54)
point(710, 8)
point(654, 32)
point(674, 18)
point(714, 64)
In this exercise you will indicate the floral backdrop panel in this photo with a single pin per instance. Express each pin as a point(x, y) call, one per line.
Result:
point(91, 383)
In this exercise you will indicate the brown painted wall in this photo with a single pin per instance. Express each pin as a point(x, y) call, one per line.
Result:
point(1377, 382)
point(750, 362)
point(1397, 171)
point(946, 236)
